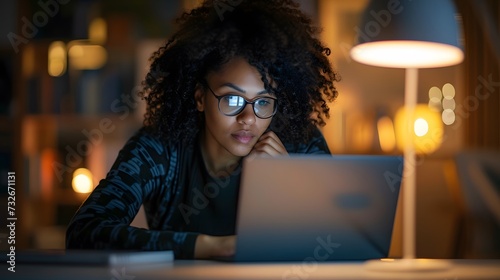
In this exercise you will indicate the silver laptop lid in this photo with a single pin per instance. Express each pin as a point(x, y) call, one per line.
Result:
point(317, 207)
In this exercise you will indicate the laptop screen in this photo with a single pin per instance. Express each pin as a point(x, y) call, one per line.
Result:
point(322, 207)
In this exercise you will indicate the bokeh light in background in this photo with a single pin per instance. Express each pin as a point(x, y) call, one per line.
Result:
point(421, 127)
point(84, 56)
point(448, 115)
point(443, 100)
point(387, 139)
point(57, 59)
point(82, 181)
point(426, 129)
point(98, 32)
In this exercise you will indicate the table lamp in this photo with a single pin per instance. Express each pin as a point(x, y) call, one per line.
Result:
point(410, 35)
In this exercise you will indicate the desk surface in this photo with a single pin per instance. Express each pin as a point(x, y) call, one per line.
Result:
point(459, 270)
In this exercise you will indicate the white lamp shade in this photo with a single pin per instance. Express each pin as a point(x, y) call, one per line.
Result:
point(409, 34)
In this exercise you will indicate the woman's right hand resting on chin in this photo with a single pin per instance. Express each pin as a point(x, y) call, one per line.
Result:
point(208, 246)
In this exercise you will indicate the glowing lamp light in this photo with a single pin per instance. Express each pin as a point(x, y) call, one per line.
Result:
point(425, 127)
point(82, 181)
point(407, 54)
point(421, 127)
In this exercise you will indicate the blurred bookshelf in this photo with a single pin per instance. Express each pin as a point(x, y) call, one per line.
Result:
point(79, 119)
point(77, 83)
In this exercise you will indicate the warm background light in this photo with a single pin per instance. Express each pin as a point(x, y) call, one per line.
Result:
point(98, 31)
point(421, 127)
point(57, 59)
point(82, 181)
point(435, 97)
point(443, 100)
point(386, 136)
point(448, 116)
point(28, 61)
point(87, 57)
point(426, 129)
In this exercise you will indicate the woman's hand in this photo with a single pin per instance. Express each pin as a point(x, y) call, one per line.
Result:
point(269, 145)
point(208, 246)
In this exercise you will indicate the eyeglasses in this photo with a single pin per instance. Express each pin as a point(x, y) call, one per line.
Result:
point(232, 105)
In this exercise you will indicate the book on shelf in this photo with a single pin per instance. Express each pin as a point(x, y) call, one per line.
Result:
point(32, 167)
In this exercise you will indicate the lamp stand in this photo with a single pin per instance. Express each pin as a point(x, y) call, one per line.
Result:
point(409, 262)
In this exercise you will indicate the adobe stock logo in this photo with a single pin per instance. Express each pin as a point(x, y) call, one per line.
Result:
point(30, 29)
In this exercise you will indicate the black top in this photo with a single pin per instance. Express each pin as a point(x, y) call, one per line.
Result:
point(180, 198)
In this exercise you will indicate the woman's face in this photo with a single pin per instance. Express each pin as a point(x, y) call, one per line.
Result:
point(232, 135)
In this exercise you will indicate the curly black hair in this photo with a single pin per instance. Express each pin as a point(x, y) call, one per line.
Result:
point(275, 37)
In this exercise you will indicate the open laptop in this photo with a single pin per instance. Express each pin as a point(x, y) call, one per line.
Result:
point(317, 207)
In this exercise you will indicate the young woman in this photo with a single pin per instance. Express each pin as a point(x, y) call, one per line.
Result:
point(252, 80)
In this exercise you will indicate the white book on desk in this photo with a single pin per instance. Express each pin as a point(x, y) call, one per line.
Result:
point(93, 257)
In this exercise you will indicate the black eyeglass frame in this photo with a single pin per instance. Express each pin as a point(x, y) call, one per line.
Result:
point(219, 97)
